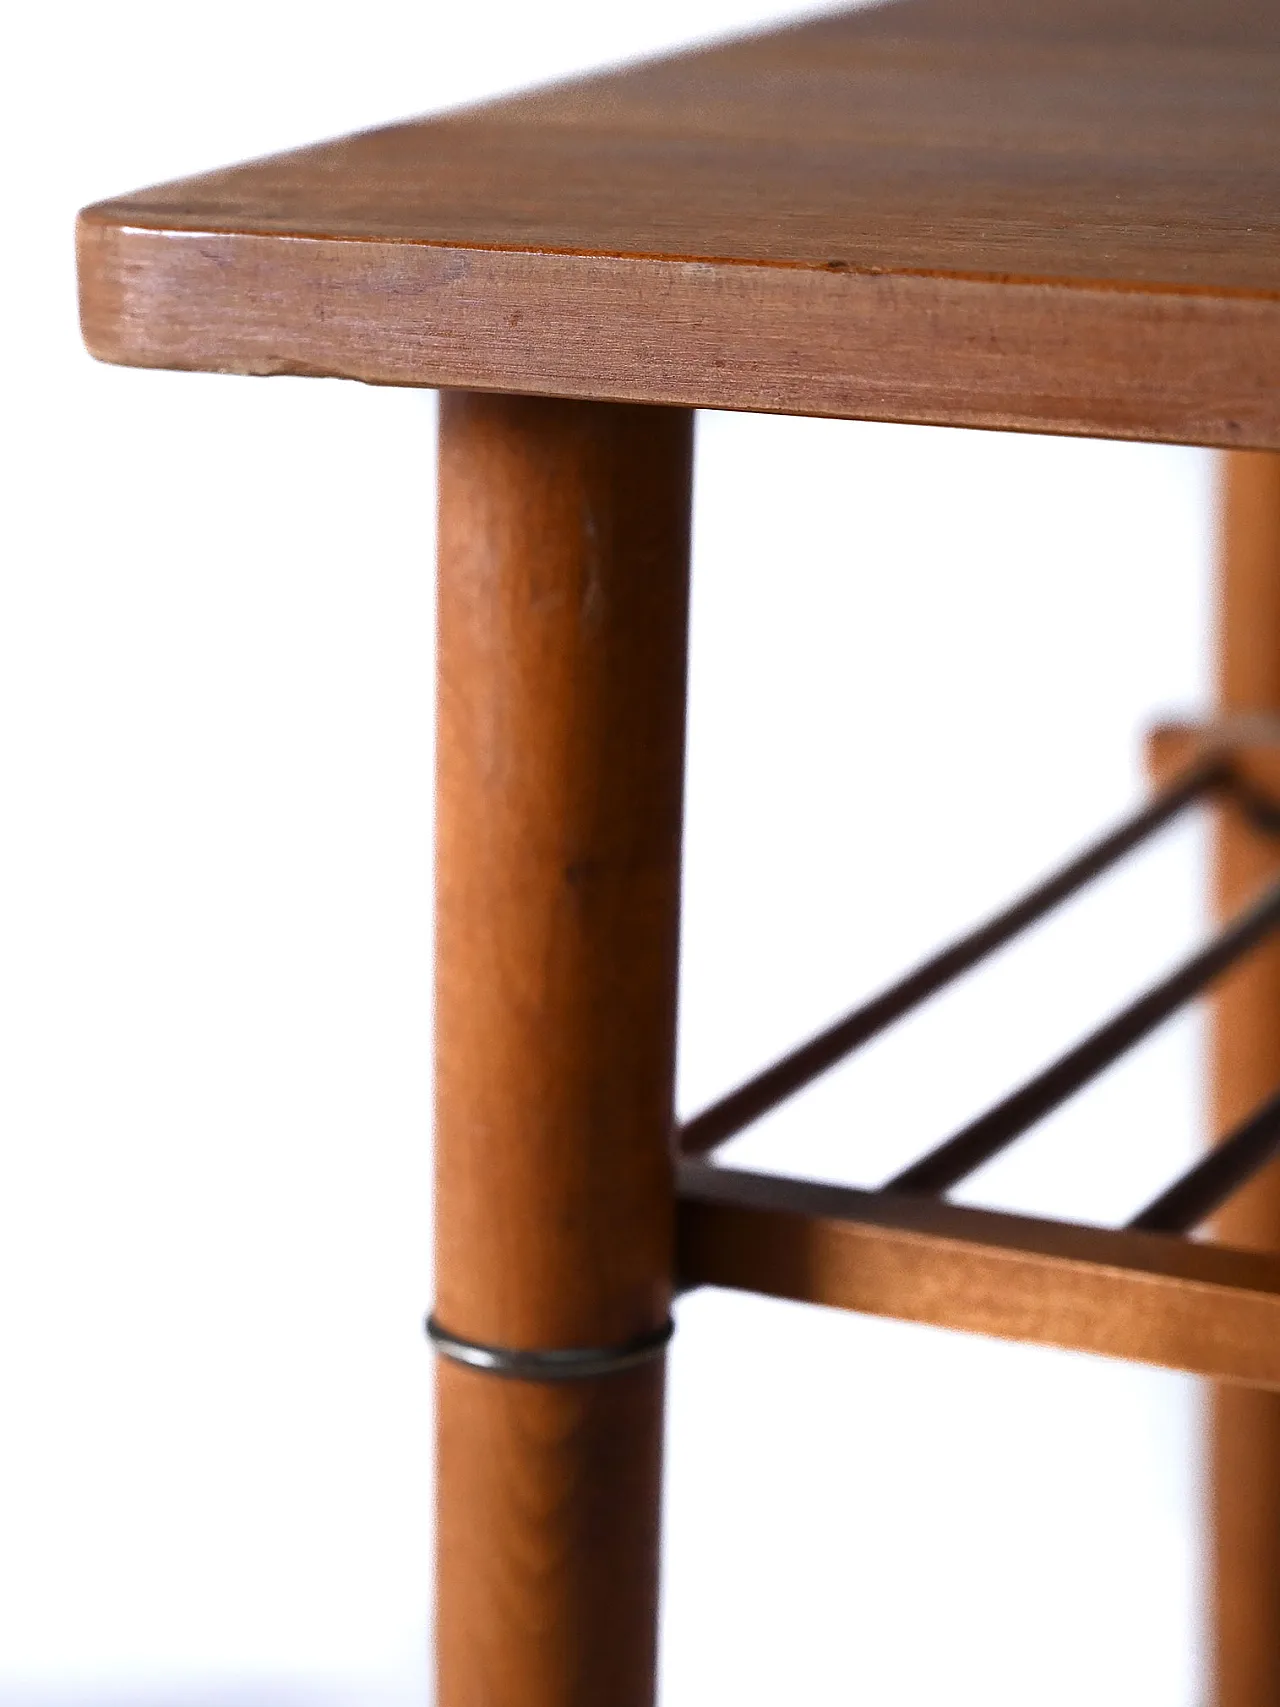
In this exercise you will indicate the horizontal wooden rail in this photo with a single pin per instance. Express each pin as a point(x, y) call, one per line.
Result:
point(1136, 1295)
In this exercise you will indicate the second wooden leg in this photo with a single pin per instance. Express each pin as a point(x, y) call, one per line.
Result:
point(1245, 1432)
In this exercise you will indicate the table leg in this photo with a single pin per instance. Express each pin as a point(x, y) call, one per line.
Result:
point(563, 598)
point(1245, 1432)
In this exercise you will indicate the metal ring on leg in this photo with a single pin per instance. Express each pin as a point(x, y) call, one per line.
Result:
point(574, 1363)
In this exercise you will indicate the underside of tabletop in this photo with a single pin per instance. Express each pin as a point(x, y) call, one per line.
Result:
point(1053, 215)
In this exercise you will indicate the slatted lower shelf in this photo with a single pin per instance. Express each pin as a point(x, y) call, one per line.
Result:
point(1141, 1292)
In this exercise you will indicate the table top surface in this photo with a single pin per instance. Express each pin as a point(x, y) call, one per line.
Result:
point(1055, 214)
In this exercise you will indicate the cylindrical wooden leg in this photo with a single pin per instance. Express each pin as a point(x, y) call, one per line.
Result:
point(563, 571)
point(1245, 1435)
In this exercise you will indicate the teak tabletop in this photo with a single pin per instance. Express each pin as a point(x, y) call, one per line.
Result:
point(1051, 215)
point(1057, 215)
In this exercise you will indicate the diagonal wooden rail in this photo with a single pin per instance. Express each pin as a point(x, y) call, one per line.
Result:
point(1202, 775)
point(1010, 1119)
point(1230, 1165)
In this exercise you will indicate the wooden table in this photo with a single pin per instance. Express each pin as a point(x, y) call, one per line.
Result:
point(1043, 215)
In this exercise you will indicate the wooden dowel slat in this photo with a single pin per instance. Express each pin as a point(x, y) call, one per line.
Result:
point(1195, 1307)
point(750, 1102)
point(995, 1130)
point(1228, 1166)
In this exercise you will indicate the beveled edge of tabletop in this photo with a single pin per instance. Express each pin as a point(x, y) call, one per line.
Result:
point(1176, 365)
point(263, 288)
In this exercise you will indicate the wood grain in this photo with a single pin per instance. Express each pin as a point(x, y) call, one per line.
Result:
point(1061, 218)
point(1140, 1296)
point(547, 1536)
point(1245, 1427)
point(563, 591)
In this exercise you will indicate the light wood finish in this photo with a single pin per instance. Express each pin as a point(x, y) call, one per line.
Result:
point(564, 534)
point(1051, 214)
point(1141, 1296)
point(1245, 1437)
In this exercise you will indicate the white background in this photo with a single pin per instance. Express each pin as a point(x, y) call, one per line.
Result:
point(922, 662)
